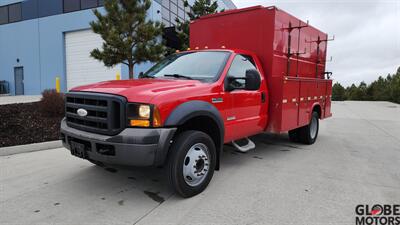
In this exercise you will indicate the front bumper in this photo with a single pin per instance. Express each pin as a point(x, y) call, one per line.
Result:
point(131, 147)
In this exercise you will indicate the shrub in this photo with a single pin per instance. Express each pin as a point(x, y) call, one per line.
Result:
point(52, 103)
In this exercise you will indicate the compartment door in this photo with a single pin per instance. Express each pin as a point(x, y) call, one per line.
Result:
point(304, 102)
point(290, 104)
point(328, 99)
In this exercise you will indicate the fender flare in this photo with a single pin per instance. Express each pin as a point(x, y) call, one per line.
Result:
point(312, 109)
point(188, 110)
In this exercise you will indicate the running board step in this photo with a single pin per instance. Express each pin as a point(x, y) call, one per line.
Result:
point(247, 146)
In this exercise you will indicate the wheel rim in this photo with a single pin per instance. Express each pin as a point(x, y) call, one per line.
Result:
point(196, 164)
point(313, 127)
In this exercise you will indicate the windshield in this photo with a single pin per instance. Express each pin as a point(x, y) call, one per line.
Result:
point(205, 66)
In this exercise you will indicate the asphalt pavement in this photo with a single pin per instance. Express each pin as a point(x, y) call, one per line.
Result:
point(356, 160)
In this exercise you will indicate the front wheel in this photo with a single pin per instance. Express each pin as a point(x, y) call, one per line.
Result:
point(191, 163)
point(97, 163)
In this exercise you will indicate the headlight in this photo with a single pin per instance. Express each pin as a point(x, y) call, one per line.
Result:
point(142, 115)
point(144, 111)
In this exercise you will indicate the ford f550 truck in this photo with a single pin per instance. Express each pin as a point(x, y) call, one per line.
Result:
point(249, 71)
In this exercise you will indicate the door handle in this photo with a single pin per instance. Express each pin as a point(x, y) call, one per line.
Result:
point(263, 97)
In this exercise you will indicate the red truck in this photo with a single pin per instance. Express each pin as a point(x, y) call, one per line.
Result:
point(249, 71)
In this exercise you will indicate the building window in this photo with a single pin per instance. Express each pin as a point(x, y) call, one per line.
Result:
point(71, 5)
point(173, 8)
point(75, 5)
point(49, 7)
point(87, 4)
point(14, 12)
point(180, 4)
point(4, 15)
point(30, 9)
point(165, 3)
point(173, 19)
point(165, 13)
point(181, 14)
point(166, 22)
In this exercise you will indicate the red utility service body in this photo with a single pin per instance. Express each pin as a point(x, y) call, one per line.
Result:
point(293, 66)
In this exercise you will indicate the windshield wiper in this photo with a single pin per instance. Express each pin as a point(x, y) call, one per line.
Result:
point(178, 76)
point(146, 76)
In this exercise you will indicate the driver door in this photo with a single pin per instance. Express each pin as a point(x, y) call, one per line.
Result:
point(245, 116)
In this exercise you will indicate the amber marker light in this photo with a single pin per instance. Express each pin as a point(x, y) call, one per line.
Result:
point(156, 118)
point(140, 123)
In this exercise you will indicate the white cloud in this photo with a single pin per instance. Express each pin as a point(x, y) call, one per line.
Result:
point(367, 33)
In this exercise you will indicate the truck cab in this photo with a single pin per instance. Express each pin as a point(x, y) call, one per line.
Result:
point(180, 113)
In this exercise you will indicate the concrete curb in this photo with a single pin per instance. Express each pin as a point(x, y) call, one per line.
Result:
point(12, 150)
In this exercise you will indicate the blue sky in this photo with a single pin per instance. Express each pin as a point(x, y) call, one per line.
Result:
point(367, 34)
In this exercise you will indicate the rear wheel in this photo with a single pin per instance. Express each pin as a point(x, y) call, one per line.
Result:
point(294, 135)
point(308, 134)
point(191, 163)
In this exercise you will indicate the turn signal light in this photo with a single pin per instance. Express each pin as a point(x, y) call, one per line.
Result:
point(140, 123)
point(156, 118)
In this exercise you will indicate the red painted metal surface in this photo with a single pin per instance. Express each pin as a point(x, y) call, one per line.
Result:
point(294, 67)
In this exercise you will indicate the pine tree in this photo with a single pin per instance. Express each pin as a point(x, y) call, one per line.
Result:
point(382, 89)
point(128, 37)
point(199, 8)
point(202, 8)
point(338, 92)
point(395, 87)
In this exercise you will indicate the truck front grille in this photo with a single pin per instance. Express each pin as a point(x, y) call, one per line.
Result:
point(105, 113)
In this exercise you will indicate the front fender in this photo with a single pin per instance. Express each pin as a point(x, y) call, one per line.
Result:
point(189, 110)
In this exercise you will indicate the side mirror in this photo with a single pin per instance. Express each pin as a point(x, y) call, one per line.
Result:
point(253, 80)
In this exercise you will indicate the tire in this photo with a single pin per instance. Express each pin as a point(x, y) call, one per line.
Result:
point(294, 135)
point(184, 172)
point(96, 163)
point(308, 134)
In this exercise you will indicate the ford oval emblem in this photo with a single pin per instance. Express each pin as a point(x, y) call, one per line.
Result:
point(82, 112)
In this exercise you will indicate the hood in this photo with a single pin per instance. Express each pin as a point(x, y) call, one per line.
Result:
point(141, 90)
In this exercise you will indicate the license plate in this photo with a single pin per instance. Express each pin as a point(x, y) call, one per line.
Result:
point(78, 150)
